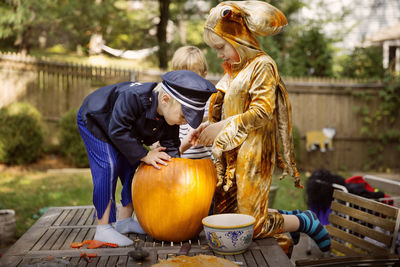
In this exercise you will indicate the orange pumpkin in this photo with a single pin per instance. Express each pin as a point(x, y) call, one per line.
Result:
point(170, 203)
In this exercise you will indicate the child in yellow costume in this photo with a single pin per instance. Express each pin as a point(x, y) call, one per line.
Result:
point(249, 114)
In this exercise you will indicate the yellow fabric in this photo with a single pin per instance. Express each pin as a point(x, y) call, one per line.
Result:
point(253, 98)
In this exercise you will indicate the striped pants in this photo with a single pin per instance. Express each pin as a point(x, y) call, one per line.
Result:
point(106, 165)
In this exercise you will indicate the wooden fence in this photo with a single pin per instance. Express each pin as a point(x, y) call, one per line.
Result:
point(54, 88)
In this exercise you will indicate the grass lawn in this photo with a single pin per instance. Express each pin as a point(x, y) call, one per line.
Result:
point(289, 197)
point(30, 194)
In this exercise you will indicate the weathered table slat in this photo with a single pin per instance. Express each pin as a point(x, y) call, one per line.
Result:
point(52, 234)
point(239, 258)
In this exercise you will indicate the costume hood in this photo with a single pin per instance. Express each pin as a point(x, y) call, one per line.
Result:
point(240, 22)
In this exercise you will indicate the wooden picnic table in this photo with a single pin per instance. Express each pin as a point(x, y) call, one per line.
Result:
point(54, 231)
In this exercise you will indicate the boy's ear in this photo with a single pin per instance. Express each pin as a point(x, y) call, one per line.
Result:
point(165, 98)
point(204, 74)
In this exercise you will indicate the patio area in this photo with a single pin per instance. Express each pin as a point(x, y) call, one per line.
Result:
point(50, 237)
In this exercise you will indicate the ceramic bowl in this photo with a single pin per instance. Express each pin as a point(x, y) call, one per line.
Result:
point(229, 233)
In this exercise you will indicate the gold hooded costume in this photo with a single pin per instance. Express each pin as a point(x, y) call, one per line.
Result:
point(253, 98)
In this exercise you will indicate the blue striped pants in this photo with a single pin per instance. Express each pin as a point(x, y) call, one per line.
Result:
point(106, 165)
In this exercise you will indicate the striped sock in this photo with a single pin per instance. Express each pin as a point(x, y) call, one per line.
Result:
point(310, 225)
point(294, 235)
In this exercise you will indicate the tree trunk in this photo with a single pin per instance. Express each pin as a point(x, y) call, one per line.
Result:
point(162, 33)
point(23, 43)
point(182, 24)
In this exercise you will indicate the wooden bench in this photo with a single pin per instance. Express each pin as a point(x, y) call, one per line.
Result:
point(387, 260)
point(361, 230)
point(363, 223)
point(52, 234)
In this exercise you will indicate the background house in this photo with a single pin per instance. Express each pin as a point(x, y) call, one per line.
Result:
point(389, 39)
point(356, 20)
point(359, 23)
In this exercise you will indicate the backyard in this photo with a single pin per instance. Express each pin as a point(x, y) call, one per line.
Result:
point(52, 181)
point(343, 86)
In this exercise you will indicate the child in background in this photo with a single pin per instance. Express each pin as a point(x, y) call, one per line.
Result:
point(248, 114)
point(191, 58)
point(117, 121)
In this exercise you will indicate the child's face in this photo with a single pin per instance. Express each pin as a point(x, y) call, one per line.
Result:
point(174, 115)
point(172, 112)
point(225, 50)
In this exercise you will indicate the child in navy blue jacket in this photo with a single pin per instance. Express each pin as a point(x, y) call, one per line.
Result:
point(118, 121)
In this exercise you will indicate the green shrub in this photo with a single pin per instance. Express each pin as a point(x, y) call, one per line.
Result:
point(71, 144)
point(364, 62)
point(311, 54)
point(21, 134)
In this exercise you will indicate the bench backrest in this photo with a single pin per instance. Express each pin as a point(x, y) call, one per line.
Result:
point(360, 226)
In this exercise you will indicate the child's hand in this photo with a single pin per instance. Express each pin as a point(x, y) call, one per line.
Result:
point(195, 134)
point(155, 145)
point(185, 142)
point(156, 156)
point(209, 134)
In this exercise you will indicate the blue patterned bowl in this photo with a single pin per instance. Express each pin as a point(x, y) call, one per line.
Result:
point(229, 233)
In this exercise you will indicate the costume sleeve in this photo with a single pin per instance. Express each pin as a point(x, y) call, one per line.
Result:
point(122, 120)
point(260, 111)
point(170, 140)
point(217, 99)
point(215, 108)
